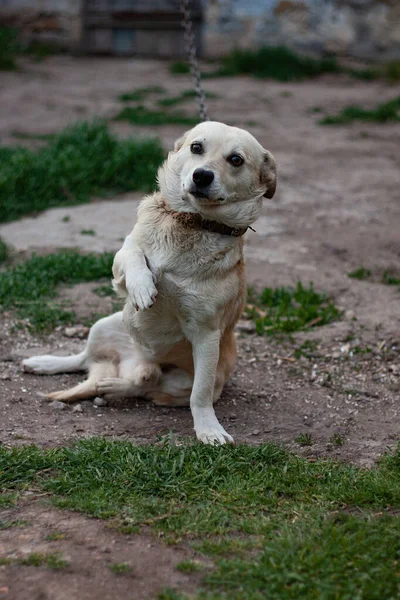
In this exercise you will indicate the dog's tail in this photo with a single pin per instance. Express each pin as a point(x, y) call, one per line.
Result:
point(87, 389)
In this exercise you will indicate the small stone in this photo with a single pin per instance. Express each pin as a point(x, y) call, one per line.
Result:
point(4, 590)
point(246, 326)
point(58, 405)
point(345, 349)
point(77, 409)
point(79, 331)
point(100, 401)
point(256, 432)
point(349, 314)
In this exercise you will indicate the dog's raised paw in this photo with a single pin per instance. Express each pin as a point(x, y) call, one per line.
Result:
point(141, 289)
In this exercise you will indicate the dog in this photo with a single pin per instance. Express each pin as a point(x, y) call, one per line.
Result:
point(181, 271)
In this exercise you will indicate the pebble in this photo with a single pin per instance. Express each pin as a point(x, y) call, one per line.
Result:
point(256, 432)
point(100, 401)
point(58, 405)
point(79, 331)
point(77, 409)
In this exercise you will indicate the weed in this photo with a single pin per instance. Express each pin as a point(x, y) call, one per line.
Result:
point(304, 439)
point(360, 273)
point(179, 68)
point(274, 62)
point(8, 48)
point(392, 70)
point(140, 115)
point(337, 440)
point(307, 349)
point(87, 232)
point(10, 524)
point(382, 113)
point(141, 93)
point(390, 279)
point(103, 291)
point(37, 559)
point(189, 566)
point(284, 310)
point(81, 161)
point(360, 350)
point(315, 109)
point(170, 594)
point(4, 251)
point(30, 286)
point(120, 568)
point(55, 536)
point(25, 135)
point(182, 97)
point(66, 219)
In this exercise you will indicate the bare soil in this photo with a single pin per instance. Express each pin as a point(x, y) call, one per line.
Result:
point(337, 208)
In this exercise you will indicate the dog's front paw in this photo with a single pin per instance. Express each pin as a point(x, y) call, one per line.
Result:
point(141, 289)
point(214, 435)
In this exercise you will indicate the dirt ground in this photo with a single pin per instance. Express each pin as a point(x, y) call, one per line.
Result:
point(337, 208)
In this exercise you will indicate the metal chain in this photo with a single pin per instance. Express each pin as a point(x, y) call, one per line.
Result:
point(190, 47)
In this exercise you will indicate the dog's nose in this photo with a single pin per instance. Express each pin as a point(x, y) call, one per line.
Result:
point(203, 177)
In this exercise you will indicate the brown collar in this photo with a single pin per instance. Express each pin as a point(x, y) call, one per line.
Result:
point(196, 221)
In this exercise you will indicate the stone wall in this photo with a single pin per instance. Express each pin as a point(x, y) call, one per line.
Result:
point(366, 29)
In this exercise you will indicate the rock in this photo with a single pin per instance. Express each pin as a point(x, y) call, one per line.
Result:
point(77, 409)
point(100, 401)
point(256, 432)
point(79, 331)
point(246, 326)
point(58, 405)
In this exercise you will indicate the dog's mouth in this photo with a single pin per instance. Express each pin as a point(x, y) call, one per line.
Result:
point(204, 198)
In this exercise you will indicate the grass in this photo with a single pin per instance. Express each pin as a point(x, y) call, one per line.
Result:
point(87, 232)
point(8, 49)
point(285, 310)
point(390, 279)
point(382, 113)
point(29, 288)
point(179, 67)
point(183, 97)
point(81, 161)
point(140, 115)
point(304, 439)
point(36, 559)
point(274, 62)
point(270, 521)
point(4, 251)
point(120, 568)
point(141, 93)
point(361, 273)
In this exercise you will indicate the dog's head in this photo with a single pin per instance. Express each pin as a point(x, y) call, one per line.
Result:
point(219, 171)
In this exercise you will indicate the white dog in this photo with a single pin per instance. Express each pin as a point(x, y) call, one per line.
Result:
point(182, 273)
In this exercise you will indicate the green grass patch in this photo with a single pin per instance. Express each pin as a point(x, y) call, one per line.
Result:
point(4, 251)
point(140, 94)
point(120, 568)
point(183, 97)
point(11, 524)
point(304, 439)
point(179, 67)
point(285, 310)
point(382, 113)
point(274, 523)
point(361, 273)
point(140, 115)
point(273, 62)
point(37, 559)
point(390, 279)
point(8, 49)
point(29, 288)
point(82, 161)
point(87, 232)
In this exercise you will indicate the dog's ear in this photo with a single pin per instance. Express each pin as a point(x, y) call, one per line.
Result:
point(179, 142)
point(268, 174)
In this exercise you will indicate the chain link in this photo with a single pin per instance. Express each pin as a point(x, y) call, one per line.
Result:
point(190, 47)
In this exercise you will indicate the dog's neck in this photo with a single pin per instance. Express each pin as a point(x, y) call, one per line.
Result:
point(191, 220)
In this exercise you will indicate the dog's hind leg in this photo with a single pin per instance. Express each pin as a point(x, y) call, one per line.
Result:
point(49, 365)
point(87, 389)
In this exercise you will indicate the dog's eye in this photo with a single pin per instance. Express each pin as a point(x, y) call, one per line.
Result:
point(196, 148)
point(235, 160)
